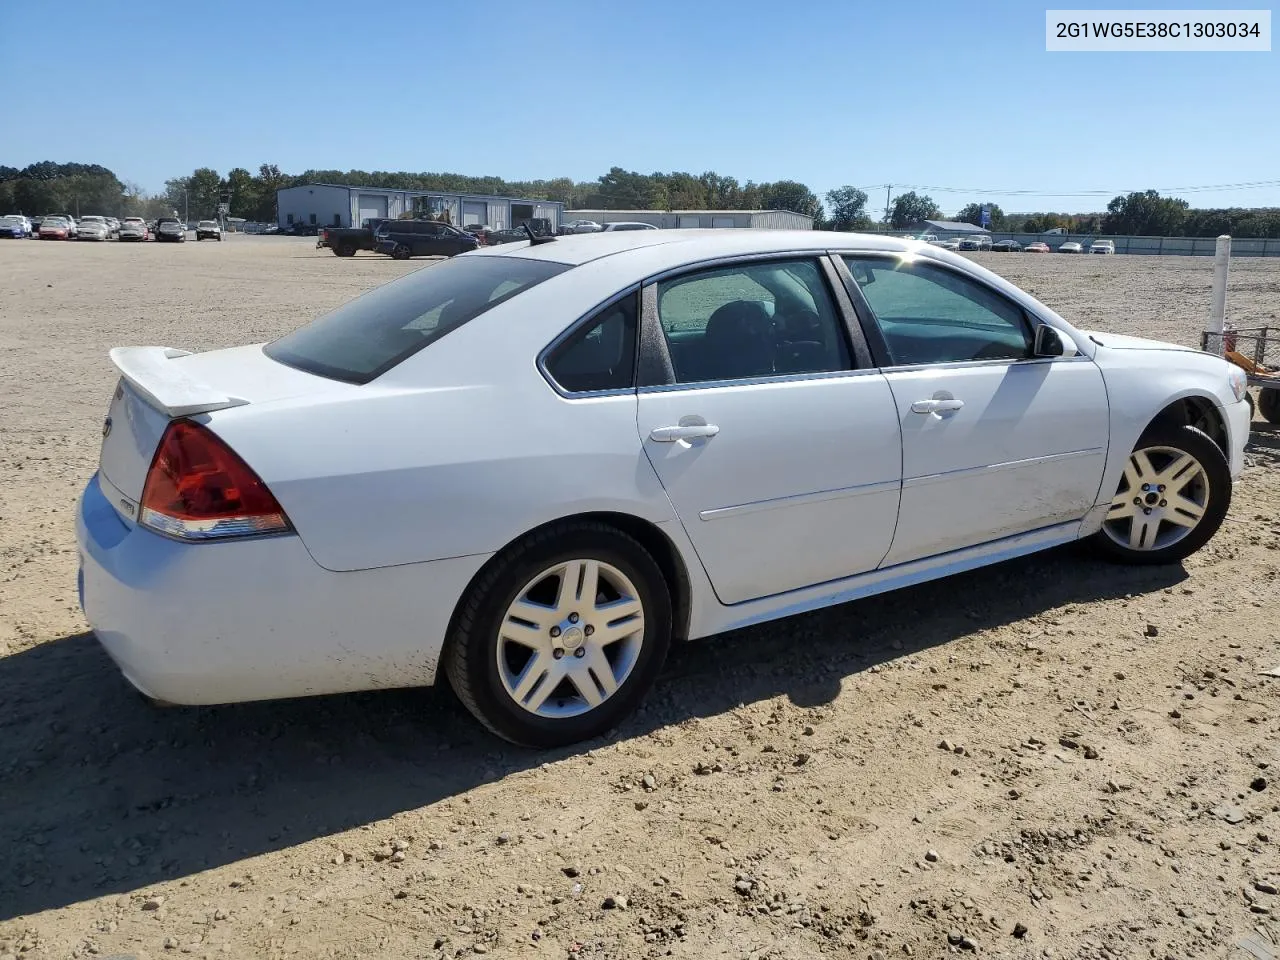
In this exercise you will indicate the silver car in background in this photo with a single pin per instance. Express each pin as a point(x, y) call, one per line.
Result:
point(94, 228)
point(134, 228)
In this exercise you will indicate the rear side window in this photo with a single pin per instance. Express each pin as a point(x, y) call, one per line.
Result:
point(601, 355)
point(365, 338)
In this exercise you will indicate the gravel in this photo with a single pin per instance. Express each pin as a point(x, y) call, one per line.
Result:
point(131, 803)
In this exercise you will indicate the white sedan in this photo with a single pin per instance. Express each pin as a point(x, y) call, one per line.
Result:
point(533, 467)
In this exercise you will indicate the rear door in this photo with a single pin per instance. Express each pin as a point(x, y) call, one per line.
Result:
point(776, 440)
point(995, 441)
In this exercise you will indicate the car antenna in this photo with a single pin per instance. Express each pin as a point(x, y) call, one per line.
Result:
point(535, 240)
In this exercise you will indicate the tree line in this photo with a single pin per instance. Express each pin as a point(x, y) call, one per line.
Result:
point(79, 189)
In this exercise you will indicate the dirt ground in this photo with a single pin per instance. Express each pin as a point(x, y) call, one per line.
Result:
point(1049, 758)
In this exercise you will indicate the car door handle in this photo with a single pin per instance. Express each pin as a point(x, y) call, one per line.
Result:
point(936, 406)
point(693, 431)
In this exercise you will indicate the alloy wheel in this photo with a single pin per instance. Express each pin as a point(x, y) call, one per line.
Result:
point(570, 639)
point(1162, 499)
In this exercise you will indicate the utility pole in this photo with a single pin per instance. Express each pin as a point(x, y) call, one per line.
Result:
point(888, 189)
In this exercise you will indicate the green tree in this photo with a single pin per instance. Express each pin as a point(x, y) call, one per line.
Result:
point(909, 208)
point(789, 195)
point(972, 213)
point(848, 209)
point(245, 193)
point(1145, 214)
point(626, 190)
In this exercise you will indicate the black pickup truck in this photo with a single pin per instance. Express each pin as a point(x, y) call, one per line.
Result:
point(345, 241)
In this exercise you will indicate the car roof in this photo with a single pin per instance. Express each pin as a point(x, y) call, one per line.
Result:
point(689, 245)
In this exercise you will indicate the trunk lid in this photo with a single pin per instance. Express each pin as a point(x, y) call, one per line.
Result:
point(160, 384)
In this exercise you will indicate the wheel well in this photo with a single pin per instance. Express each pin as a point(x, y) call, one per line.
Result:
point(1198, 412)
point(659, 546)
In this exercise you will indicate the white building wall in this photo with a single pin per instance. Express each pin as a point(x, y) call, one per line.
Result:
point(324, 202)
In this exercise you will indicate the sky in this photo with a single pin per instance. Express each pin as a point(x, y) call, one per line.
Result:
point(931, 93)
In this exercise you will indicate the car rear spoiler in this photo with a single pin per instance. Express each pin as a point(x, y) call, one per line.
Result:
point(163, 384)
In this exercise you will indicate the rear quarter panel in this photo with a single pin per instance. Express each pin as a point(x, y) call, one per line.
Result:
point(459, 450)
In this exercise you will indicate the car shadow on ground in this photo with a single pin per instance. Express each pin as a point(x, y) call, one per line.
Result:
point(1264, 443)
point(101, 792)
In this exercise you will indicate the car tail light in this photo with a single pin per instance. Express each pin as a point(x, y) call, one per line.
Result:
point(198, 488)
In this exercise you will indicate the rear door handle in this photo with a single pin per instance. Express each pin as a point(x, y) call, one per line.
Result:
point(936, 406)
point(693, 431)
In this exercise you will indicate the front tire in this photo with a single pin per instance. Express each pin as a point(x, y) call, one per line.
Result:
point(401, 252)
point(561, 635)
point(1174, 494)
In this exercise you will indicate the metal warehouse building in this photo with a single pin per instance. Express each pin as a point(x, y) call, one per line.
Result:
point(338, 205)
point(946, 229)
point(675, 219)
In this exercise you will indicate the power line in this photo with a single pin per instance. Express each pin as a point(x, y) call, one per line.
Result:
point(1022, 192)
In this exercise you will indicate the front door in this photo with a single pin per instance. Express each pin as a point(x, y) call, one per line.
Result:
point(995, 442)
point(781, 460)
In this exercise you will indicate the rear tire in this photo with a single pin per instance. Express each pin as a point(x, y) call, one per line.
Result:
point(1174, 494)
point(1269, 404)
point(401, 253)
point(519, 629)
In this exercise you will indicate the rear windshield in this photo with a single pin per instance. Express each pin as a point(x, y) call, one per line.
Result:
point(365, 338)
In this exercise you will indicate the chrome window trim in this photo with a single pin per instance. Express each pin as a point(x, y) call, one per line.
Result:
point(757, 381)
point(964, 364)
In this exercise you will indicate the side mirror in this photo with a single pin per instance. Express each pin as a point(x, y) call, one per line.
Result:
point(1050, 343)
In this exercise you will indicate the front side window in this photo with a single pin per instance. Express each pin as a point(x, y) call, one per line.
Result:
point(368, 336)
point(750, 320)
point(929, 314)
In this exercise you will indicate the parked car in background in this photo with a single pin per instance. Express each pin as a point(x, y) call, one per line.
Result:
point(55, 228)
point(402, 239)
point(976, 242)
point(1071, 247)
point(951, 243)
point(208, 230)
point(482, 471)
point(346, 241)
point(35, 227)
point(15, 227)
point(94, 228)
point(134, 228)
point(478, 230)
point(540, 226)
point(1006, 246)
point(626, 225)
point(171, 229)
point(1102, 246)
point(1037, 246)
point(580, 226)
point(113, 225)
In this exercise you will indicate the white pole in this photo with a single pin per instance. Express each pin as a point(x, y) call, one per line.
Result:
point(1218, 299)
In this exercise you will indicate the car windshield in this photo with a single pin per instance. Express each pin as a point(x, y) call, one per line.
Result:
point(10, 219)
point(207, 223)
point(365, 338)
point(92, 220)
point(132, 219)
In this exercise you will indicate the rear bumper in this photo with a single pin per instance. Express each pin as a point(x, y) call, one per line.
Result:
point(256, 619)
